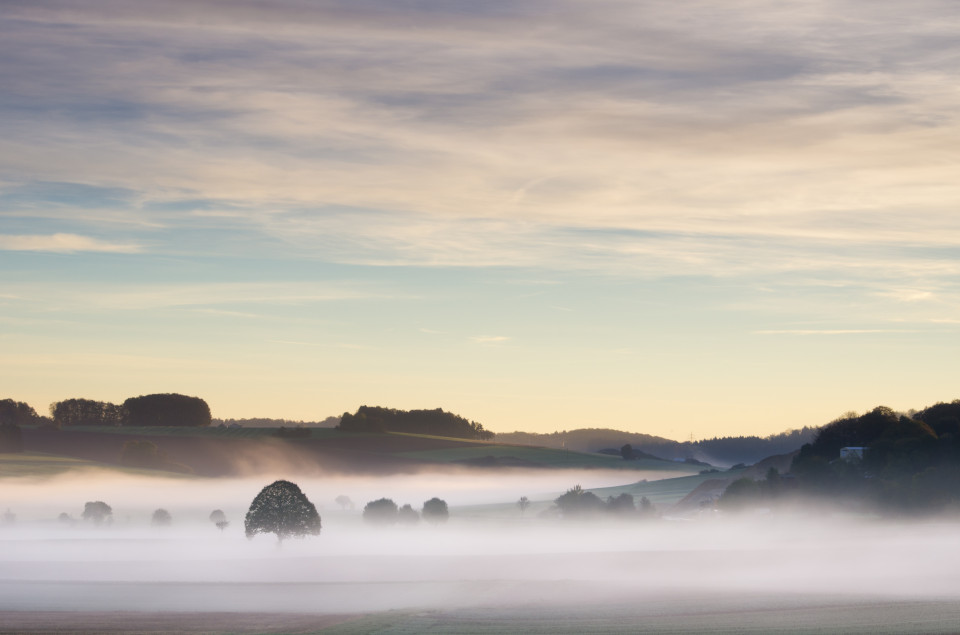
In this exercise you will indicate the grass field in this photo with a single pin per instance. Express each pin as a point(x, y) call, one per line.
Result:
point(546, 457)
point(324, 446)
point(38, 465)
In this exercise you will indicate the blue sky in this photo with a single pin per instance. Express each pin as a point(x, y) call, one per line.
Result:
point(678, 218)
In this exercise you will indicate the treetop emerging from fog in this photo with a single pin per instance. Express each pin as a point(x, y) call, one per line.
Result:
point(282, 509)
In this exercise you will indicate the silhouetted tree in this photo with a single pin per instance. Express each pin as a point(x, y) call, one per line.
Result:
point(282, 509)
point(435, 511)
point(85, 412)
point(166, 410)
point(578, 502)
point(344, 502)
point(626, 452)
point(98, 512)
point(18, 413)
point(382, 511)
point(622, 505)
point(161, 518)
point(523, 503)
point(646, 508)
point(407, 515)
point(435, 422)
point(218, 518)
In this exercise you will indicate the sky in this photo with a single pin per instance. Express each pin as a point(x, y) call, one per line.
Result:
point(689, 219)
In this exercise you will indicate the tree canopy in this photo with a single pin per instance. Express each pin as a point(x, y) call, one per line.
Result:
point(435, 511)
point(97, 512)
point(382, 511)
point(86, 412)
point(434, 422)
point(18, 413)
point(282, 509)
point(161, 518)
point(168, 409)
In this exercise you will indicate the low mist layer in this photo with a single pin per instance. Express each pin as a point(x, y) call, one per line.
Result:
point(487, 555)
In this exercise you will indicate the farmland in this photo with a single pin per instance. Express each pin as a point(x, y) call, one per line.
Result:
point(224, 451)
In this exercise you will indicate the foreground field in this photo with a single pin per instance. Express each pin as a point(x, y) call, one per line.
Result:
point(762, 577)
point(716, 613)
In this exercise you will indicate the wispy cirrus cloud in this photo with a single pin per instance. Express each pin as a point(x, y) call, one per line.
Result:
point(65, 243)
point(774, 120)
point(490, 339)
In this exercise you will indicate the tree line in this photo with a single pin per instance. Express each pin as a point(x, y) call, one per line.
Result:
point(433, 422)
point(166, 409)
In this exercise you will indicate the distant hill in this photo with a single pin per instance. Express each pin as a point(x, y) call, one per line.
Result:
point(723, 451)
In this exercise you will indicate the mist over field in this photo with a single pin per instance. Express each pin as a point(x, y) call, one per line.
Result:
point(487, 557)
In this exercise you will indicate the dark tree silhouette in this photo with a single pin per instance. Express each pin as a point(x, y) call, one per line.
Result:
point(382, 511)
point(161, 518)
point(282, 509)
point(407, 515)
point(578, 502)
point(435, 511)
point(98, 512)
point(626, 452)
point(436, 422)
point(85, 412)
point(18, 413)
point(621, 505)
point(166, 410)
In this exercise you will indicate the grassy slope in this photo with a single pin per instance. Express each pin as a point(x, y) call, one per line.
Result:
point(37, 464)
point(325, 444)
point(547, 457)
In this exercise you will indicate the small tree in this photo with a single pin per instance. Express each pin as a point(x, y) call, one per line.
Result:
point(9, 517)
point(578, 502)
point(161, 518)
point(218, 518)
point(380, 512)
point(98, 512)
point(646, 508)
point(622, 505)
point(523, 503)
point(282, 509)
point(407, 515)
point(626, 452)
point(435, 511)
point(344, 502)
